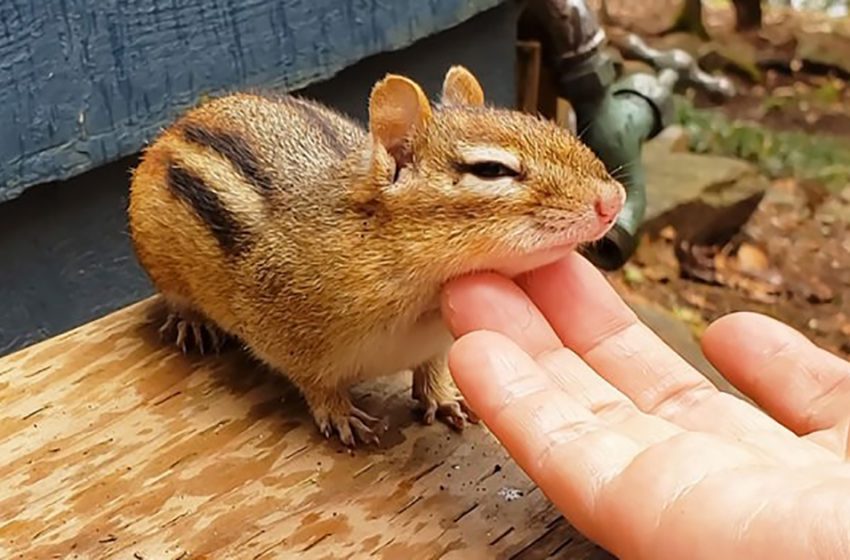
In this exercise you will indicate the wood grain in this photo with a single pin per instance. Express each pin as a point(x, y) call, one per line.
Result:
point(113, 445)
point(528, 75)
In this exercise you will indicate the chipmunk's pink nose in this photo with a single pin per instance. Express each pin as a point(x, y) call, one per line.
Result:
point(610, 201)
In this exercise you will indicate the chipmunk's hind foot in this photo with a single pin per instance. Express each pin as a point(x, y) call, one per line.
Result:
point(190, 331)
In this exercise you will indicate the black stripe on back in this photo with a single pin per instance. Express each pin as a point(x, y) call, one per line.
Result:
point(235, 149)
point(321, 122)
point(223, 224)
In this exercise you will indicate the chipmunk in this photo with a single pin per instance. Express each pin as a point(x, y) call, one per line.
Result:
point(322, 246)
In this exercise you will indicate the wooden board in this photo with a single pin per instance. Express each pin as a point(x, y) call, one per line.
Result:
point(528, 75)
point(113, 445)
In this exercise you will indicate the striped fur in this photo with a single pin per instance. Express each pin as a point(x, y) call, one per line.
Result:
point(321, 123)
point(233, 148)
point(231, 235)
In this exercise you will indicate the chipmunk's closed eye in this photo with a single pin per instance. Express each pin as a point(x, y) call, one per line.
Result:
point(488, 162)
point(489, 170)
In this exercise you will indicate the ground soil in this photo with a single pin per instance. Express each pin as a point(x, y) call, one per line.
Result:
point(801, 264)
point(795, 261)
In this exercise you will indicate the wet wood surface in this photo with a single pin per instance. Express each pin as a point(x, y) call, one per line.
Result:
point(114, 445)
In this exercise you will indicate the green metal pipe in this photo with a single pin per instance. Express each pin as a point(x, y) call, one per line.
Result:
point(614, 118)
point(615, 128)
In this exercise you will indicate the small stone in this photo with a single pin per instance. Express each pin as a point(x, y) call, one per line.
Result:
point(677, 178)
point(675, 137)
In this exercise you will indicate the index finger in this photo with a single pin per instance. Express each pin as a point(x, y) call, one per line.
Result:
point(590, 317)
point(493, 302)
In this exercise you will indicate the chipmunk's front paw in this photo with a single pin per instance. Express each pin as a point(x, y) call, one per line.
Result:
point(451, 409)
point(189, 332)
point(349, 422)
point(438, 397)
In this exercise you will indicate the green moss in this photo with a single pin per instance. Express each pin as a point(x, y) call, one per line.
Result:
point(802, 155)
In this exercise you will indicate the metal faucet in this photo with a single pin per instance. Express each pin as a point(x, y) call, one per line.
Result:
point(615, 117)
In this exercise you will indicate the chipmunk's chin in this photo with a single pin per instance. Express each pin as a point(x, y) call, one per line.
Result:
point(537, 258)
point(515, 266)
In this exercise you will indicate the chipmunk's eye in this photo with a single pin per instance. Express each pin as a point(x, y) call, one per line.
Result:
point(490, 170)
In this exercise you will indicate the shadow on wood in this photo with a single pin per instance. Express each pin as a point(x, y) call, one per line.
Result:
point(115, 445)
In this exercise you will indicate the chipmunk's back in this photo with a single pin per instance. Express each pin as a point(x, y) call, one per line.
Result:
point(233, 178)
point(275, 142)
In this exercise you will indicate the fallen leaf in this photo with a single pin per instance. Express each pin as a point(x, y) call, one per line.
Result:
point(747, 268)
point(697, 261)
point(785, 184)
point(695, 299)
point(687, 314)
point(657, 273)
point(814, 192)
point(816, 290)
point(751, 259)
point(667, 233)
point(754, 289)
point(633, 275)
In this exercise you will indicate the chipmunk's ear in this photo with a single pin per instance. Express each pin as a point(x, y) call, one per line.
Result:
point(461, 88)
point(397, 106)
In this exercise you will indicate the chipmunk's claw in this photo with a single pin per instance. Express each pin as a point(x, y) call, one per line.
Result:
point(189, 334)
point(351, 426)
point(454, 412)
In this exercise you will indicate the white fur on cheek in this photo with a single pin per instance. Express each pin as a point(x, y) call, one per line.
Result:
point(481, 154)
point(505, 186)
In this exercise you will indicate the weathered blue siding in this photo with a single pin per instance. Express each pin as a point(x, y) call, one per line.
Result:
point(85, 82)
point(64, 245)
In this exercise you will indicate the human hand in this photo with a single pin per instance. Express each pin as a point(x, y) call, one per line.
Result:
point(634, 446)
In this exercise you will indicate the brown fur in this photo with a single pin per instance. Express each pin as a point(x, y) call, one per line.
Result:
point(332, 256)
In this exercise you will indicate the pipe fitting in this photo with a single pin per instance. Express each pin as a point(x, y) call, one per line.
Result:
point(615, 118)
point(615, 129)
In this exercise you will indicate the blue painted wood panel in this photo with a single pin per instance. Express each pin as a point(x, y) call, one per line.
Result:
point(85, 82)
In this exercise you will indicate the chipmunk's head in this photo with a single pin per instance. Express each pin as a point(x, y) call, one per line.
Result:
point(487, 187)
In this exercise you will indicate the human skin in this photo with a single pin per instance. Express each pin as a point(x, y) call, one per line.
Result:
point(633, 445)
